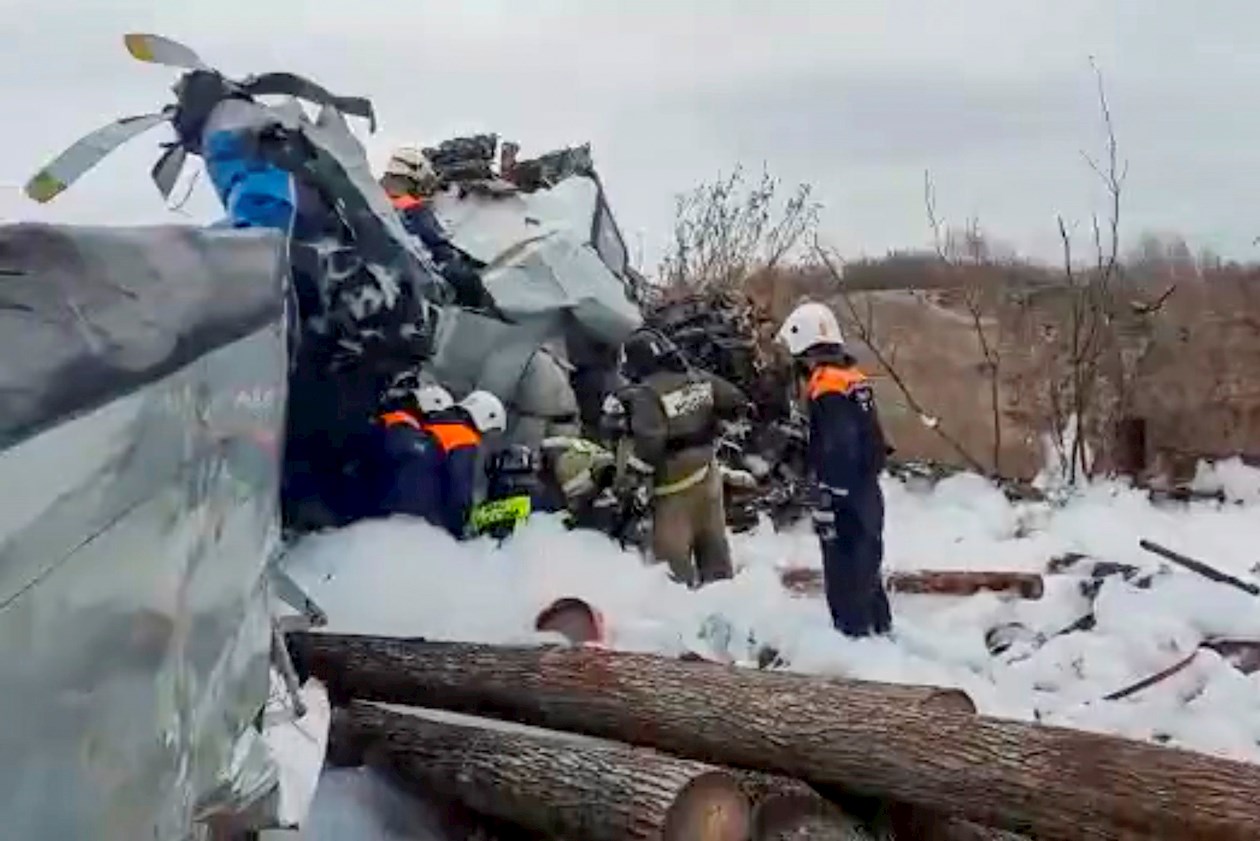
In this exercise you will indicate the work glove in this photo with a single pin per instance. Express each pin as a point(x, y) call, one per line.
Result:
point(738, 478)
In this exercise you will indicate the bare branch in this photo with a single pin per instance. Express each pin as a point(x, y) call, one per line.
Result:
point(867, 336)
point(1156, 305)
point(973, 299)
point(1096, 376)
point(929, 205)
point(1113, 176)
point(729, 229)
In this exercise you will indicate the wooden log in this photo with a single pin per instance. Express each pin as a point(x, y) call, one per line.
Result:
point(784, 802)
point(806, 817)
point(349, 747)
point(784, 808)
point(1158, 495)
point(1048, 782)
point(554, 786)
point(1027, 585)
point(574, 619)
point(802, 581)
point(910, 823)
point(1206, 570)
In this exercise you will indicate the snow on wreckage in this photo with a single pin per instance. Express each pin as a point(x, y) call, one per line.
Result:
point(405, 579)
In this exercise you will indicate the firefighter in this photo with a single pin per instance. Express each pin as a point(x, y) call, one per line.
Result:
point(404, 468)
point(672, 414)
point(584, 474)
point(847, 452)
point(410, 180)
point(458, 434)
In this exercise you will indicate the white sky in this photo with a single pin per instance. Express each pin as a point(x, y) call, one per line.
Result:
point(995, 97)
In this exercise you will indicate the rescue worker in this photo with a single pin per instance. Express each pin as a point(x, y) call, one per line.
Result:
point(410, 180)
point(512, 472)
point(584, 473)
point(847, 453)
point(458, 434)
point(511, 492)
point(405, 470)
point(672, 416)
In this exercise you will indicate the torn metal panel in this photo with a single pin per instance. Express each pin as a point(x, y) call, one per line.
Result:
point(143, 386)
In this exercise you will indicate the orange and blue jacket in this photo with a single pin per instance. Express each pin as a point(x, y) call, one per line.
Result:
point(421, 222)
point(846, 441)
point(430, 468)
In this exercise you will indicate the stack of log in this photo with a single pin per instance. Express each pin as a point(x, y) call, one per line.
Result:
point(644, 747)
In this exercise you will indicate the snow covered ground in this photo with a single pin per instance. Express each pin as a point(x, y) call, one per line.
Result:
point(403, 577)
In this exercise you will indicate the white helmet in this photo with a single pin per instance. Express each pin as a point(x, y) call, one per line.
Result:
point(809, 325)
point(411, 162)
point(431, 398)
point(486, 410)
point(613, 406)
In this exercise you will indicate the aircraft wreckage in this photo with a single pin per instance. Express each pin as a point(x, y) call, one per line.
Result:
point(150, 365)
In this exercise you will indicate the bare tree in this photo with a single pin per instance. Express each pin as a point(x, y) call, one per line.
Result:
point(864, 324)
point(1078, 398)
point(727, 230)
point(971, 247)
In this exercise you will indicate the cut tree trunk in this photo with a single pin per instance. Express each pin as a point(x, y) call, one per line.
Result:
point(785, 808)
point(1027, 585)
point(786, 817)
point(910, 823)
point(551, 785)
point(1049, 782)
point(779, 803)
point(574, 619)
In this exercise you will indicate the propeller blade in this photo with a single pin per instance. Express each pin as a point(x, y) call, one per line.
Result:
point(155, 49)
point(86, 153)
point(291, 84)
point(167, 169)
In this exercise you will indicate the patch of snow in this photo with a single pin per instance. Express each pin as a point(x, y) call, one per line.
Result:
point(1231, 477)
point(357, 803)
point(403, 577)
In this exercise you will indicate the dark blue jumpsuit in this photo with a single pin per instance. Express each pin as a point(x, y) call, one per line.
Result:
point(847, 452)
point(405, 468)
point(425, 468)
point(459, 444)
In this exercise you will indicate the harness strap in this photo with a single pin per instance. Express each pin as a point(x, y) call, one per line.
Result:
point(688, 481)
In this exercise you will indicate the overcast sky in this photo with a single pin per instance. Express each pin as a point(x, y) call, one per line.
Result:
point(858, 97)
